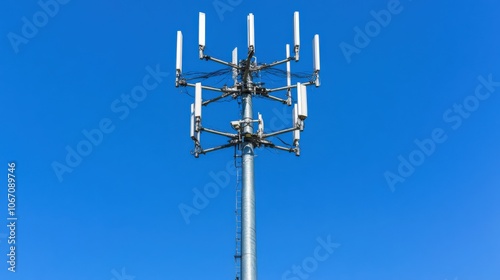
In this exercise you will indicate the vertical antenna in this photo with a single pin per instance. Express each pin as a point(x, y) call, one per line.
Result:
point(250, 33)
point(288, 77)
point(197, 102)
point(201, 34)
point(260, 132)
point(178, 59)
point(301, 101)
point(296, 35)
point(316, 62)
point(195, 133)
point(296, 123)
point(193, 124)
point(235, 62)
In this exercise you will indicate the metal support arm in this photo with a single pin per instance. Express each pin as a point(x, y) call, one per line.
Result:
point(224, 95)
point(264, 66)
point(291, 150)
point(281, 88)
point(204, 87)
point(281, 100)
point(280, 132)
point(207, 57)
point(230, 135)
point(205, 151)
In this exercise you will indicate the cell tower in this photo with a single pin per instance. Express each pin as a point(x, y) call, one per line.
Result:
point(244, 138)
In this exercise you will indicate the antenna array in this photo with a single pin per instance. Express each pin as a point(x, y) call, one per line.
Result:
point(242, 74)
point(243, 136)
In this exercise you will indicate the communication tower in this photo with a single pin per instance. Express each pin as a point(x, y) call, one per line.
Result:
point(244, 137)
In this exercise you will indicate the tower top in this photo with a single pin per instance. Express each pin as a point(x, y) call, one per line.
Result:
point(243, 72)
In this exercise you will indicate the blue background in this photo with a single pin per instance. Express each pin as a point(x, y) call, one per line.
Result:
point(117, 213)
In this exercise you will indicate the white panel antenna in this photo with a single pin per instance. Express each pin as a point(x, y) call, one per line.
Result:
point(178, 61)
point(288, 73)
point(288, 76)
point(316, 58)
point(251, 32)
point(261, 126)
point(296, 34)
point(193, 124)
point(201, 34)
point(235, 62)
point(295, 119)
point(301, 101)
point(197, 101)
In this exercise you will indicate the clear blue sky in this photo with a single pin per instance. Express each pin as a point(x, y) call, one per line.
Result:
point(419, 93)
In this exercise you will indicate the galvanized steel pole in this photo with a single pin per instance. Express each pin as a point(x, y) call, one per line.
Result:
point(248, 232)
